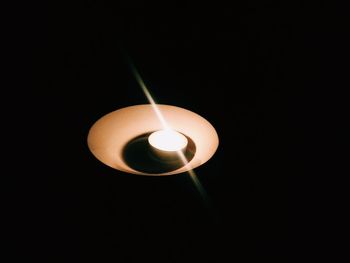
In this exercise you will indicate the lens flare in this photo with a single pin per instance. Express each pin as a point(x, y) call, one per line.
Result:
point(167, 128)
point(148, 95)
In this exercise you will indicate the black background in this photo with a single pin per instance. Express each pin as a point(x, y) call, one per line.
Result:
point(247, 68)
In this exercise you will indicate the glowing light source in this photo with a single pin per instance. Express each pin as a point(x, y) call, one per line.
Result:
point(109, 135)
point(164, 140)
point(168, 140)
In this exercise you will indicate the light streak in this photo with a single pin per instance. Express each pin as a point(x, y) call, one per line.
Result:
point(148, 95)
point(193, 177)
point(166, 126)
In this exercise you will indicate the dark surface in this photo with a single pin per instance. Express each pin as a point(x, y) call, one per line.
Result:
point(248, 69)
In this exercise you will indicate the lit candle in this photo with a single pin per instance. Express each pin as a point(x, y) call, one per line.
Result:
point(166, 143)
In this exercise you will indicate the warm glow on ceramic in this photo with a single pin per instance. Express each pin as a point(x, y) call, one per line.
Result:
point(168, 140)
point(108, 136)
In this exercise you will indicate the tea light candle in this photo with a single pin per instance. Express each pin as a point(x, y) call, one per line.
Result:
point(168, 141)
